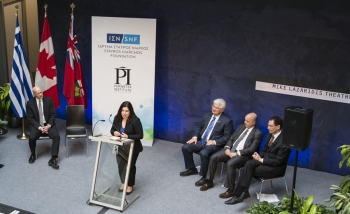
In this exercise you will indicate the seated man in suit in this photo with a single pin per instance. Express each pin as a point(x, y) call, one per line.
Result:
point(210, 136)
point(41, 116)
point(269, 163)
point(238, 150)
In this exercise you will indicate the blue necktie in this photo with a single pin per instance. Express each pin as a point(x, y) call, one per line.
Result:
point(206, 133)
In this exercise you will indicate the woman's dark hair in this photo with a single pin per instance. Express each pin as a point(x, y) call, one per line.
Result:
point(131, 109)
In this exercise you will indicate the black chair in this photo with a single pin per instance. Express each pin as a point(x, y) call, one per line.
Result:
point(75, 125)
point(262, 180)
point(42, 137)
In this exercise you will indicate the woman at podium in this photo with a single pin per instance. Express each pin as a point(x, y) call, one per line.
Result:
point(127, 125)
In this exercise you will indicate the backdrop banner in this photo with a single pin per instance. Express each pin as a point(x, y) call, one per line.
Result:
point(123, 69)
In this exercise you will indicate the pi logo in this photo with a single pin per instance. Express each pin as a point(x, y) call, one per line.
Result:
point(122, 73)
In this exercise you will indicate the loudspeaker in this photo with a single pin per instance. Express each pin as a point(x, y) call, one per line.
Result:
point(297, 127)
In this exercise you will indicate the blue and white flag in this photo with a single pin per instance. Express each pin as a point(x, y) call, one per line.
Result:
point(21, 85)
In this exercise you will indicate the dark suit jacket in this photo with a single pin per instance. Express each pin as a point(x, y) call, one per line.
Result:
point(252, 143)
point(221, 132)
point(276, 156)
point(133, 129)
point(33, 112)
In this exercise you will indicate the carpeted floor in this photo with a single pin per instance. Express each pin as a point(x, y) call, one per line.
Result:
point(8, 209)
point(40, 189)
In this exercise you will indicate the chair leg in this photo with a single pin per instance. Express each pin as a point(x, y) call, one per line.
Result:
point(239, 175)
point(87, 146)
point(285, 182)
point(222, 169)
point(67, 141)
point(260, 191)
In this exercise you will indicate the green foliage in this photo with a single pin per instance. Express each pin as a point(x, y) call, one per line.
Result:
point(340, 199)
point(301, 205)
point(264, 207)
point(3, 124)
point(5, 102)
point(345, 154)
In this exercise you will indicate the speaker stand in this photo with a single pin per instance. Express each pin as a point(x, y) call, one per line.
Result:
point(294, 179)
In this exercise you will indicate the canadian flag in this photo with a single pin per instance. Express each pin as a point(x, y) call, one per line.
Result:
point(46, 75)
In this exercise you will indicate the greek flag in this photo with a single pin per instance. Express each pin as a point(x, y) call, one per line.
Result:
point(21, 85)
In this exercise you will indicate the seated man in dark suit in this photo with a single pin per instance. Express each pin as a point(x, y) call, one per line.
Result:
point(41, 116)
point(268, 163)
point(238, 150)
point(210, 136)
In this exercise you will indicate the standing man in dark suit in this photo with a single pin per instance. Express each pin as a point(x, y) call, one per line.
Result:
point(268, 163)
point(210, 136)
point(238, 150)
point(41, 116)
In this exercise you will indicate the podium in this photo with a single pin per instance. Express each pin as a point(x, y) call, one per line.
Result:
point(106, 181)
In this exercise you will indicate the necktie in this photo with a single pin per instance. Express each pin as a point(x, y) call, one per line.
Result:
point(210, 127)
point(271, 141)
point(41, 115)
point(239, 140)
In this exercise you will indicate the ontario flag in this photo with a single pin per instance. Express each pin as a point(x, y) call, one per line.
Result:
point(73, 87)
point(46, 75)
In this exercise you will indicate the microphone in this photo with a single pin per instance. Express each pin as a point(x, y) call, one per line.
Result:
point(114, 126)
point(94, 128)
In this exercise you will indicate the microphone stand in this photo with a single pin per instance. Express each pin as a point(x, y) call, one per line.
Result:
point(95, 125)
point(114, 126)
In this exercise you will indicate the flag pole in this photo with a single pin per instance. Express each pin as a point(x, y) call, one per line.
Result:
point(72, 6)
point(22, 136)
point(45, 7)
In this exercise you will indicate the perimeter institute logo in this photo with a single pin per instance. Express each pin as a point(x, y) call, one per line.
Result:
point(122, 84)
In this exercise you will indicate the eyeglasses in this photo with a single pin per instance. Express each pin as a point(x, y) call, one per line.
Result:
point(216, 108)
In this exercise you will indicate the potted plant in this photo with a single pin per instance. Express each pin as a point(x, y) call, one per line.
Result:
point(3, 127)
point(6, 113)
point(340, 199)
point(5, 102)
point(301, 205)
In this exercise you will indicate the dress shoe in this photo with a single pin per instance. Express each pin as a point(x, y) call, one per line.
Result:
point(238, 199)
point(121, 188)
point(128, 193)
point(200, 182)
point(53, 163)
point(189, 172)
point(228, 194)
point(32, 158)
point(207, 185)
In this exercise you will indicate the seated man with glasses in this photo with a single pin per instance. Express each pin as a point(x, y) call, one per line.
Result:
point(209, 137)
